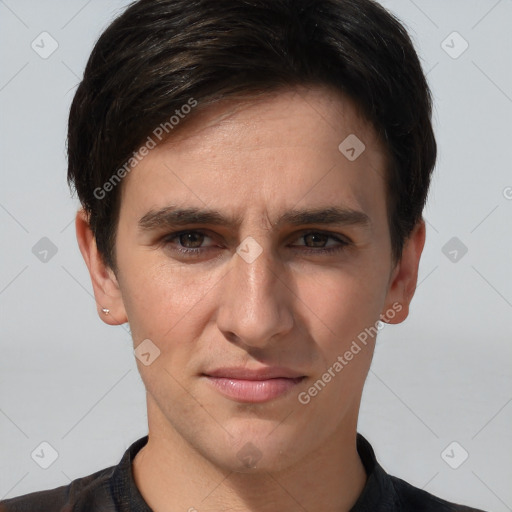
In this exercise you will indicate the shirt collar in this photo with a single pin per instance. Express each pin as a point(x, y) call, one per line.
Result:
point(378, 493)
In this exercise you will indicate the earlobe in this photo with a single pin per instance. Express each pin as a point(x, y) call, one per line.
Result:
point(404, 277)
point(109, 302)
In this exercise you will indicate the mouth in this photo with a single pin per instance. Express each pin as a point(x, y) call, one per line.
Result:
point(253, 386)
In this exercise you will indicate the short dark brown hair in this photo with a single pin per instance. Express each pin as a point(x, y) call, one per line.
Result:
point(159, 54)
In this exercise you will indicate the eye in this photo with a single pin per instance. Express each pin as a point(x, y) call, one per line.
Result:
point(190, 243)
point(191, 238)
point(320, 239)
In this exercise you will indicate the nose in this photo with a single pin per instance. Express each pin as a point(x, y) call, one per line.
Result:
point(255, 305)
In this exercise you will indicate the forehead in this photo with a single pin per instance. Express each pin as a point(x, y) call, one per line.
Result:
point(278, 148)
point(278, 113)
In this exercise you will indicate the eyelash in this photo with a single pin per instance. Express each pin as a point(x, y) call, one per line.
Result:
point(198, 251)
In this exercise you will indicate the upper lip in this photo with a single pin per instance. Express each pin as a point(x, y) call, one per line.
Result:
point(263, 373)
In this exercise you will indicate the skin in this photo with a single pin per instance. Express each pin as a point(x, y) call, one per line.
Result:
point(289, 307)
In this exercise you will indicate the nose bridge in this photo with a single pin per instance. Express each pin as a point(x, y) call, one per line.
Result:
point(253, 269)
point(254, 305)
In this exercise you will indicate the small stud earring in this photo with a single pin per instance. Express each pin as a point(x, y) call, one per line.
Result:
point(105, 311)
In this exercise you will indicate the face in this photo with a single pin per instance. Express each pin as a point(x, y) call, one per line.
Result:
point(283, 276)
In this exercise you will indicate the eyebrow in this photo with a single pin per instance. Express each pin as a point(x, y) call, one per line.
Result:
point(172, 217)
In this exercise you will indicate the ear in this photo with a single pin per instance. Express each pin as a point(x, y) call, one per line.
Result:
point(403, 279)
point(104, 282)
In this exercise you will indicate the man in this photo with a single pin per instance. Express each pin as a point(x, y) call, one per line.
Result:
point(252, 175)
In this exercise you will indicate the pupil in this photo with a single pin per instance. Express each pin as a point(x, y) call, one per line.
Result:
point(317, 238)
point(189, 237)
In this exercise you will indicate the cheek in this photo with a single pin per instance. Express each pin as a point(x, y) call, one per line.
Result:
point(343, 303)
point(344, 314)
point(166, 306)
point(161, 298)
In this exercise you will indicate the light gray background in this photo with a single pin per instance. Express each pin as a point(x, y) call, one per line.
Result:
point(443, 376)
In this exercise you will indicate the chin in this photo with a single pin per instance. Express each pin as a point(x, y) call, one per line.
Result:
point(254, 450)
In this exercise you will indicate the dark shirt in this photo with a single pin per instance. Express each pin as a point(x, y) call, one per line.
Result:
point(113, 490)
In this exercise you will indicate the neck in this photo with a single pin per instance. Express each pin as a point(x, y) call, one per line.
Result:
point(171, 475)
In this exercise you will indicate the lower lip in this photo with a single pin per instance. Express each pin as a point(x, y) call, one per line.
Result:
point(253, 390)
